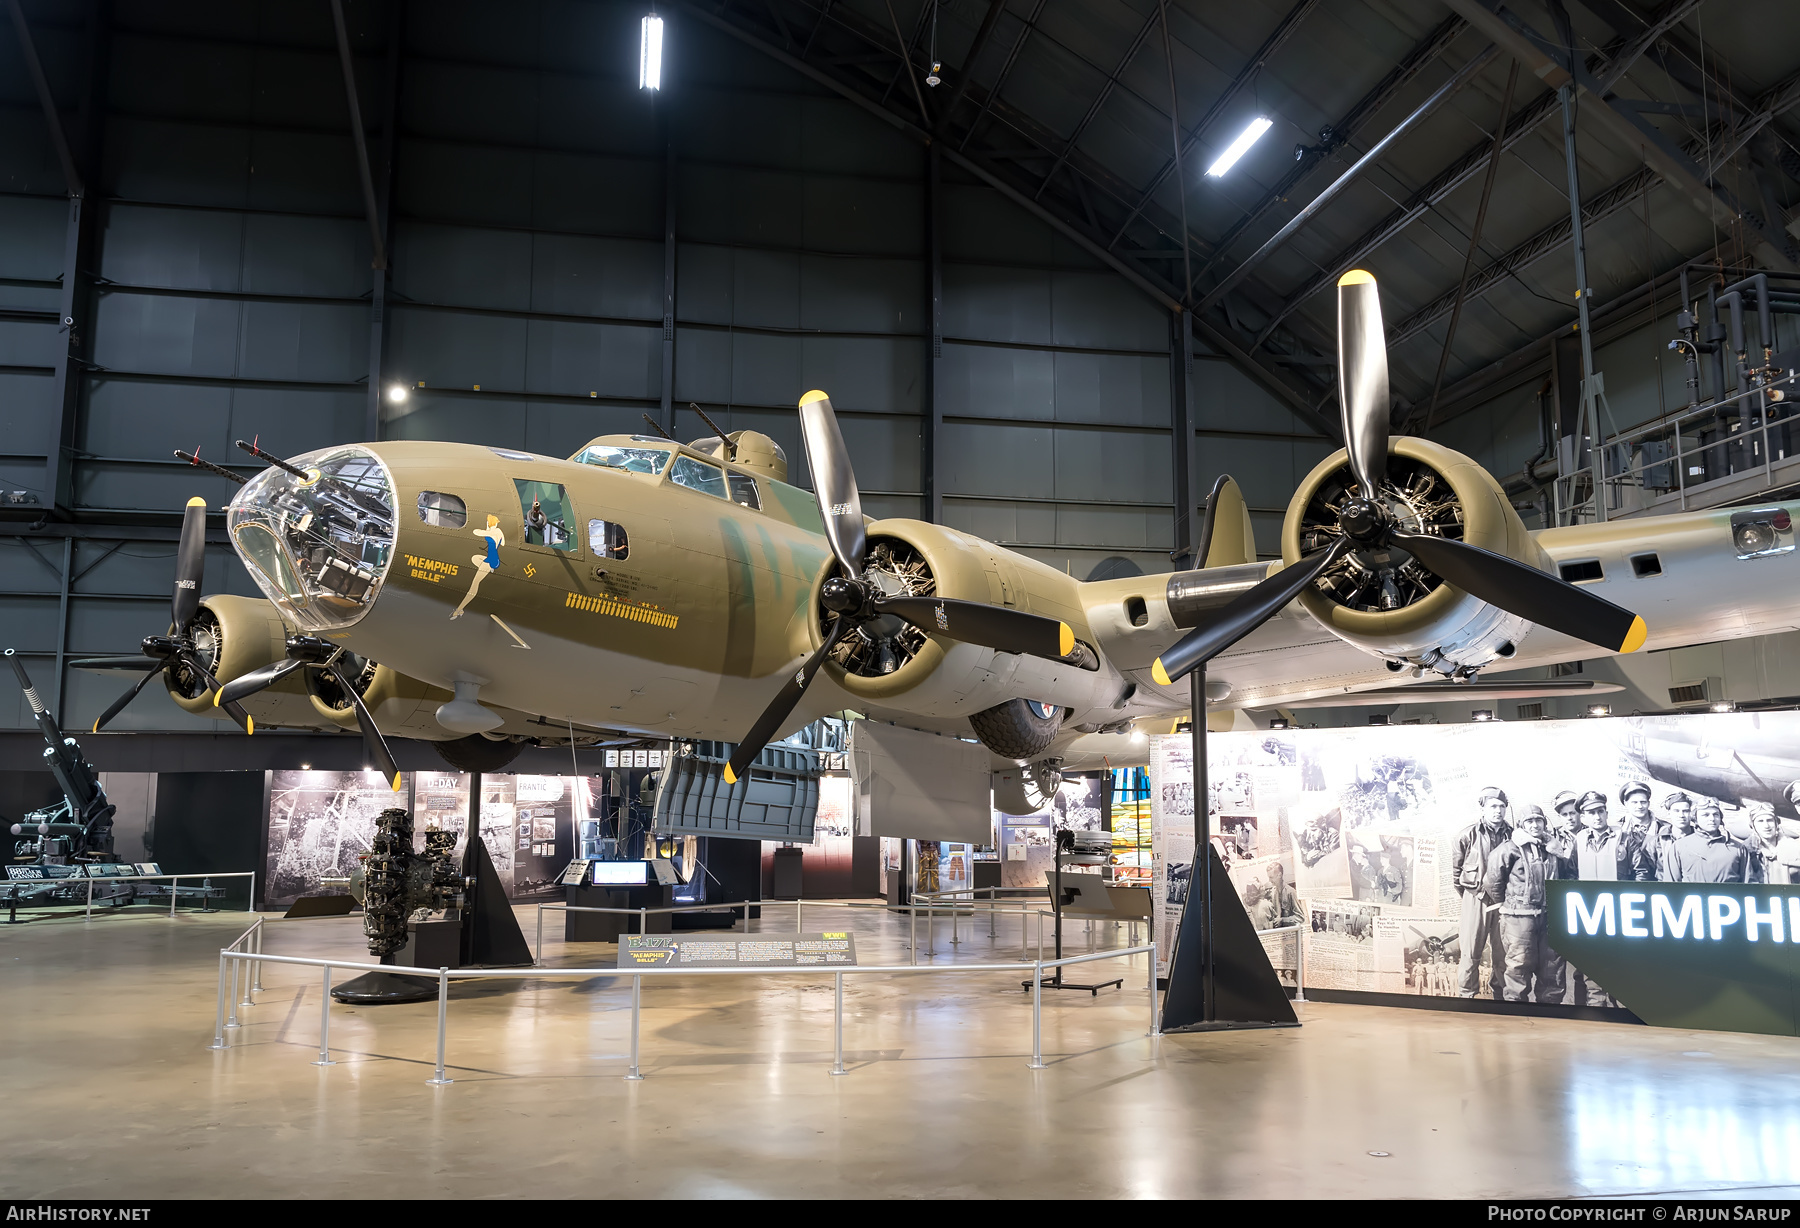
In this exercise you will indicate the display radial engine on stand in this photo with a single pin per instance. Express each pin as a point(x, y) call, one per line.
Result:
point(1386, 548)
point(421, 910)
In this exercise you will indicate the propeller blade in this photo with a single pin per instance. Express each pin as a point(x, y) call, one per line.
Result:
point(246, 685)
point(781, 706)
point(236, 710)
point(190, 566)
point(135, 664)
point(1519, 588)
point(1243, 614)
point(991, 626)
point(128, 696)
point(1363, 378)
point(834, 483)
point(373, 742)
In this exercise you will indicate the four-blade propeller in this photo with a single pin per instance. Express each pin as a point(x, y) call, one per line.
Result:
point(1518, 588)
point(178, 649)
point(854, 600)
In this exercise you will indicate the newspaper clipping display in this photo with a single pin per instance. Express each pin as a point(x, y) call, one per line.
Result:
point(1412, 859)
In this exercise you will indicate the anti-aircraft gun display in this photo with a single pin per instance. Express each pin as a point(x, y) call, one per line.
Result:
point(78, 828)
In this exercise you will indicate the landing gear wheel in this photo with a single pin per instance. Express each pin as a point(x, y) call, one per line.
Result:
point(476, 753)
point(1018, 728)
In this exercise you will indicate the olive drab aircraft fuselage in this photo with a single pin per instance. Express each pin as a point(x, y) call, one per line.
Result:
point(651, 602)
point(645, 588)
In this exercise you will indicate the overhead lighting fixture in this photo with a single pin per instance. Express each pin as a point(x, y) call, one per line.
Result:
point(1238, 148)
point(650, 39)
point(1378, 719)
point(397, 393)
point(1483, 714)
point(1599, 710)
point(1278, 722)
point(1724, 706)
point(1138, 736)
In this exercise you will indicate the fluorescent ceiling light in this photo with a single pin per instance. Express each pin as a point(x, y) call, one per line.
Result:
point(650, 53)
point(1240, 147)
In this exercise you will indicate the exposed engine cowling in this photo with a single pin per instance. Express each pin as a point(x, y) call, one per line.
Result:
point(234, 635)
point(887, 657)
point(1382, 600)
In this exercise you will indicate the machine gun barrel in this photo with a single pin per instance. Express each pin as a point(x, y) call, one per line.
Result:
point(27, 828)
point(46, 723)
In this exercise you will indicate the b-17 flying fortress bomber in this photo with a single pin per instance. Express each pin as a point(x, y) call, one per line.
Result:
point(483, 598)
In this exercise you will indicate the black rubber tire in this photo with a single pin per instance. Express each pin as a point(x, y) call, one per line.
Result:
point(478, 754)
point(1014, 731)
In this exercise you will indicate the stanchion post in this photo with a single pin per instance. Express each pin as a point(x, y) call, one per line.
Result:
point(837, 1030)
point(90, 903)
point(219, 1019)
point(443, 1017)
point(1037, 1015)
point(1299, 964)
point(232, 1022)
point(325, 1023)
point(643, 922)
point(250, 904)
point(537, 956)
point(637, 1004)
point(912, 916)
point(244, 976)
point(174, 882)
point(798, 927)
point(1153, 1028)
point(257, 971)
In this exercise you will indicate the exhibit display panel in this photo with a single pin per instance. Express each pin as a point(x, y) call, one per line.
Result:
point(320, 824)
point(1027, 842)
point(1417, 859)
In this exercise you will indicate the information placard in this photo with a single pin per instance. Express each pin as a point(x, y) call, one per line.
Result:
point(836, 950)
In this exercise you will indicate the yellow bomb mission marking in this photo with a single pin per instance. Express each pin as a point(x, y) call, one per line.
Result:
point(638, 614)
point(429, 570)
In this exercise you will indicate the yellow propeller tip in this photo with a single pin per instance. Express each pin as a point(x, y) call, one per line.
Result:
point(1634, 638)
point(1160, 674)
point(1065, 639)
point(96, 728)
point(249, 726)
point(196, 501)
point(730, 776)
point(814, 395)
point(396, 782)
point(1357, 277)
point(215, 699)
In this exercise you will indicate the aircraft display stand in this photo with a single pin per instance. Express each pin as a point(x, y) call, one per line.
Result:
point(1057, 982)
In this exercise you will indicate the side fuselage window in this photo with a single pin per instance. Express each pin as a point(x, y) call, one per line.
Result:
point(743, 491)
point(548, 520)
point(606, 538)
point(441, 510)
point(697, 475)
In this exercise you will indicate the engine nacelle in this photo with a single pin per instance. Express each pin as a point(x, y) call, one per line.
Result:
point(234, 636)
point(1383, 601)
point(889, 658)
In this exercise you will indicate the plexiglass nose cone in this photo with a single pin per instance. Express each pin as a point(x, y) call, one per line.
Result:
point(318, 546)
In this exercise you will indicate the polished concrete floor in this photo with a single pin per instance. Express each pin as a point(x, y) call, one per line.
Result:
point(112, 1090)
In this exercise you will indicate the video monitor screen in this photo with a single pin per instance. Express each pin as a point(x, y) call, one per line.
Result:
point(619, 873)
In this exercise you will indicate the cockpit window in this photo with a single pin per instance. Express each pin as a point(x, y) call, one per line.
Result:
point(633, 460)
point(548, 521)
point(442, 511)
point(319, 545)
point(698, 475)
point(743, 490)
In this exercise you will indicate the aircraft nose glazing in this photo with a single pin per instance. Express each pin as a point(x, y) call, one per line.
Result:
point(318, 545)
